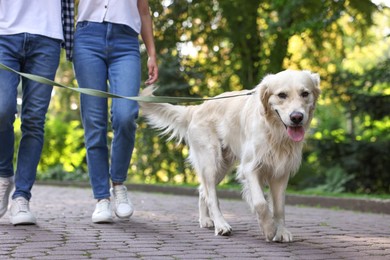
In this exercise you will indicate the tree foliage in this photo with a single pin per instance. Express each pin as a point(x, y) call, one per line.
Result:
point(207, 47)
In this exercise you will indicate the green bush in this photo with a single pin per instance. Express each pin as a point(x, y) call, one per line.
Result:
point(63, 155)
point(367, 161)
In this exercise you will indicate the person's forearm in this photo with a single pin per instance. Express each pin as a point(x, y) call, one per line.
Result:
point(148, 38)
point(147, 28)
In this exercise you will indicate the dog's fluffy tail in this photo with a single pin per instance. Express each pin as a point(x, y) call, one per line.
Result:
point(170, 119)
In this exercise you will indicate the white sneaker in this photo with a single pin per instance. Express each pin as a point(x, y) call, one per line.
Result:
point(102, 213)
point(6, 186)
point(123, 206)
point(20, 213)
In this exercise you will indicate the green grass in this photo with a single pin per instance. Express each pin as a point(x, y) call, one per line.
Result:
point(237, 187)
point(340, 195)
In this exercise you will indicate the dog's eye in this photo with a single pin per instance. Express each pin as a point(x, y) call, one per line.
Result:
point(305, 94)
point(282, 95)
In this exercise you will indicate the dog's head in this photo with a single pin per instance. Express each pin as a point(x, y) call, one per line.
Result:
point(289, 98)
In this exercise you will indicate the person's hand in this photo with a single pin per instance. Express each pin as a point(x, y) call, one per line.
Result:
point(152, 71)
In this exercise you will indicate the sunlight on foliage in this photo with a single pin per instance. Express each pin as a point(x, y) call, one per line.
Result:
point(208, 47)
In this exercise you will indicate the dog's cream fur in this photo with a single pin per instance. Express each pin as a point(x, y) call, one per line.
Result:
point(262, 131)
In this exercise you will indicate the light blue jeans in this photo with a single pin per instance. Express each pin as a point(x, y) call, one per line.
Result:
point(107, 58)
point(37, 55)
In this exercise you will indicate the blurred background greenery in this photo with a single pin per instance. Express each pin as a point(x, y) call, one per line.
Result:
point(208, 47)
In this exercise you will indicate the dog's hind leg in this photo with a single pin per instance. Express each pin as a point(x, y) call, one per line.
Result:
point(211, 199)
point(205, 220)
point(278, 188)
point(207, 162)
point(210, 214)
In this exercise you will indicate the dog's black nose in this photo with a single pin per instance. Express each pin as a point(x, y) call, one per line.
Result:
point(296, 117)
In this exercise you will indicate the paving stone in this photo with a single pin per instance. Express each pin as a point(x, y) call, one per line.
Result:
point(165, 227)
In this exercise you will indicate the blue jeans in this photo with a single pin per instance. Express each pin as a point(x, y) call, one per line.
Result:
point(107, 58)
point(32, 54)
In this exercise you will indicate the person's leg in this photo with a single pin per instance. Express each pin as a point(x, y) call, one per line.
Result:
point(41, 57)
point(10, 46)
point(91, 72)
point(124, 76)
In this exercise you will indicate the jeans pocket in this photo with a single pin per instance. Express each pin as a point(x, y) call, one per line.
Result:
point(82, 25)
point(129, 31)
point(54, 42)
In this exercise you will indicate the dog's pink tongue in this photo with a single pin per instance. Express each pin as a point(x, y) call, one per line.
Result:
point(296, 133)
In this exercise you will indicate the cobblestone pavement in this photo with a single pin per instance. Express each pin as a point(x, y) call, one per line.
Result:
point(166, 227)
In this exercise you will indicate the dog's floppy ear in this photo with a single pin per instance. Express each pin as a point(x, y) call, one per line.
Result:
point(315, 77)
point(265, 93)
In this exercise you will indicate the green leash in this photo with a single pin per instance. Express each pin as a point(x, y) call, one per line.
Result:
point(103, 94)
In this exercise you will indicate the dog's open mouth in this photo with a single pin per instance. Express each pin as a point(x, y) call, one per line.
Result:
point(296, 133)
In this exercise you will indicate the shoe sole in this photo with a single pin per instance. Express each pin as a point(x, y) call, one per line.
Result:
point(24, 224)
point(23, 221)
point(124, 216)
point(102, 221)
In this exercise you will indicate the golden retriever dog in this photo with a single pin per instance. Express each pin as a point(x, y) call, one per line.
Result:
point(260, 130)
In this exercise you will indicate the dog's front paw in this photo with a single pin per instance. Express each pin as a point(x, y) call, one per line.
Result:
point(223, 229)
point(206, 222)
point(282, 235)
